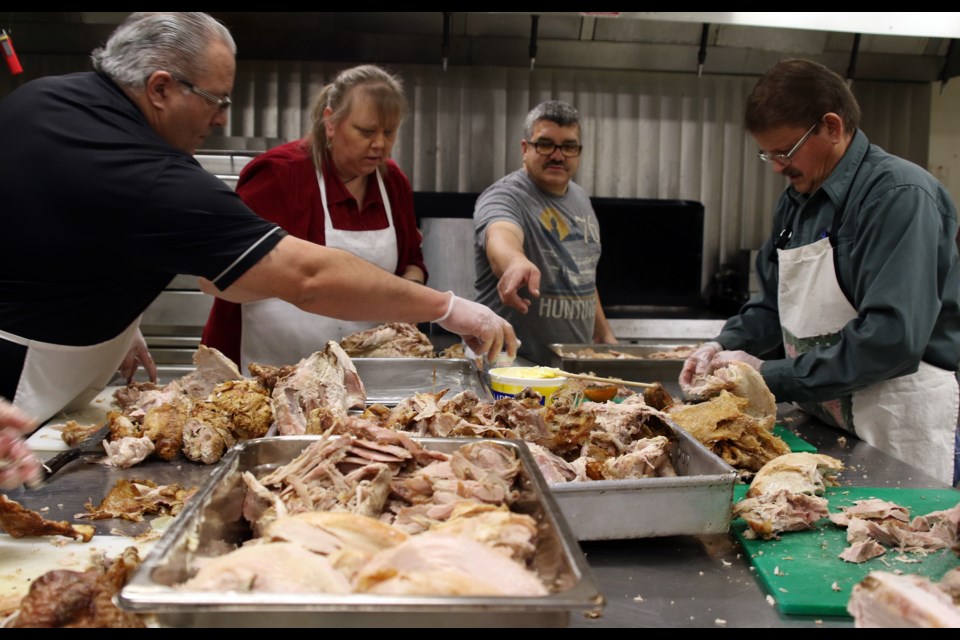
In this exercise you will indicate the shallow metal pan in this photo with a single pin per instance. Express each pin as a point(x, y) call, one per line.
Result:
point(695, 502)
point(212, 523)
point(638, 368)
point(388, 381)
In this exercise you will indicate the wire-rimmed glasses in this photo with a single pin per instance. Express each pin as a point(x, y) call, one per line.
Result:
point(222, 103)
point(784, 159)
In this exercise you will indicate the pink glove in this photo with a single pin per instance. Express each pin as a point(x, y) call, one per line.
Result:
point(698, 363)
point(725, 358)
point(138, 355)
point(481, 329)
point(17, 462)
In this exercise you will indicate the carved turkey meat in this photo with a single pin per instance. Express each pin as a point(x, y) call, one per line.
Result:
point(741, 380)
point(326, 379)
point(786, 494)
point(391, 340)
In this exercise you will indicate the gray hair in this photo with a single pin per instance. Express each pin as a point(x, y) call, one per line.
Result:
point(150, 41)
point(555, 111)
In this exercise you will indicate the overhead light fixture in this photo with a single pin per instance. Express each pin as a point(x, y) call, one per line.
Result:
point(702, 56)
point(852, 67)
point(534, 22)
point(445, 49)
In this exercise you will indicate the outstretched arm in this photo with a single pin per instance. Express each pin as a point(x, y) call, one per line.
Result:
point(504, 243)
point(338, 284)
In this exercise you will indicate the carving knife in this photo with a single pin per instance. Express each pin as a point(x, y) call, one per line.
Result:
point(92, 445)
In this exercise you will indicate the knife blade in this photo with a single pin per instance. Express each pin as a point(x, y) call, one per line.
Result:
point(90, 446)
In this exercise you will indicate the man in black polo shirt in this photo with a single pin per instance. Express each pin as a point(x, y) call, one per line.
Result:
point(103, 204)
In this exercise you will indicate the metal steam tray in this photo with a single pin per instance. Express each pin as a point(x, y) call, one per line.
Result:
point(695, 502)
point(638, 367)
point(212, 524)
point(390, 380)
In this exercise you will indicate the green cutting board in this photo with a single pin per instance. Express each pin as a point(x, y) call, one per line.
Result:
point(796, 444)
point(809, 562)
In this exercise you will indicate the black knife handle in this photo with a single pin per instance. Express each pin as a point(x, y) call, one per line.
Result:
point(60, 460)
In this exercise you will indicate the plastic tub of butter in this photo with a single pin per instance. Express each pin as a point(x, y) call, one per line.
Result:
point(507, 382)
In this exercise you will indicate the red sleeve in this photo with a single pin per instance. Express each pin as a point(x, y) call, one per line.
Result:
point(409, 239)
point(222, 331)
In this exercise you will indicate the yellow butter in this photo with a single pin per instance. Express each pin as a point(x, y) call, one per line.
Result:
point(507, 382)
point(530, 373)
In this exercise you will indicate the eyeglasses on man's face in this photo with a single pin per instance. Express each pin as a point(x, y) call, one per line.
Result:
point(547, 147)
point(785, 159)
point(222, 103)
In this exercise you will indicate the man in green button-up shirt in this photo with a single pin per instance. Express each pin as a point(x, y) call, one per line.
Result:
point(860, 281)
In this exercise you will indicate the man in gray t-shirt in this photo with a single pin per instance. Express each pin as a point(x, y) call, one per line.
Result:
point(536, 229)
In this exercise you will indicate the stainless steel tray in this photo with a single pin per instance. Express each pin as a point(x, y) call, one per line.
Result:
point(638, 368)
point(212, 524)
point(695, 502)
point(390, 380)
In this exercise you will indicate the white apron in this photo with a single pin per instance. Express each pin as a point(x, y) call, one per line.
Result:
point(59, 378)
point(912, 418)
point(278, 333)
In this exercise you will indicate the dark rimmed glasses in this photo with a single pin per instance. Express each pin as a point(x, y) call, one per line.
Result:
point(547, 147)
point(784, 159)
point(222, 103)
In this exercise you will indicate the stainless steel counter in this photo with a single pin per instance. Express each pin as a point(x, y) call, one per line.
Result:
point(706, 581)
point(652, 582)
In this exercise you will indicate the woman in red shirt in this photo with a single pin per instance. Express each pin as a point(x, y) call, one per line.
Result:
point(338, 187)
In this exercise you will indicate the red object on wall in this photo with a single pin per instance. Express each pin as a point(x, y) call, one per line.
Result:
point(6, 45)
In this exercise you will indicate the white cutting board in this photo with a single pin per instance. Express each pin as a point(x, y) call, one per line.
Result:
point(47, 441)
point(22, 560)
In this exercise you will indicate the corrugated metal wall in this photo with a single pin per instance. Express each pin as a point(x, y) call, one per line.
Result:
point(646, 135)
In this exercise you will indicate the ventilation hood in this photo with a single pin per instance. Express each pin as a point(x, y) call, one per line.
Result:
point(905, 46)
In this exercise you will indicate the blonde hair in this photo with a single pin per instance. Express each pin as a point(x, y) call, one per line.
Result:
point(384, 90)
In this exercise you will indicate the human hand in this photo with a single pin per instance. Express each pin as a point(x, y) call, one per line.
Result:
point(483, 331)
point(605, 337)
point(502, 359)
point(138, 354)
point(725, 358)
point(520, 273)
point(17, 462)
point(698, 363)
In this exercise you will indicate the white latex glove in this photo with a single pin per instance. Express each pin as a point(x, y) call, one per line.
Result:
point(138, 355)
point(17, 462)
point(697, 363)
point(725, 358)
point(481, 329)
point(502, 359)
